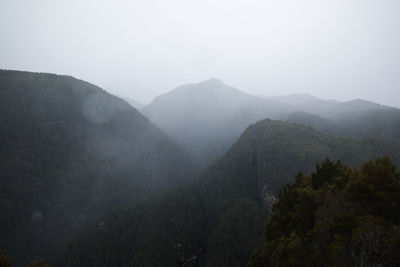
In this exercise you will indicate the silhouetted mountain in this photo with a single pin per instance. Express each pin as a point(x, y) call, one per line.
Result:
point(71, 152)
point(208, 117)
point(224, 212)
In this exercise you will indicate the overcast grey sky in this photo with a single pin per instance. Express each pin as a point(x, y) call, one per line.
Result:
point(339, 49)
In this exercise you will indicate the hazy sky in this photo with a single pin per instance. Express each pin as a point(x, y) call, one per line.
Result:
point(332, 49)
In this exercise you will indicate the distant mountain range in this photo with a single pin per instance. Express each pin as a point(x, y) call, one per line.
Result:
point(207, 117)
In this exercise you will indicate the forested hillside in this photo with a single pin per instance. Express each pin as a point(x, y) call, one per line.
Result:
point(225, 211)
point(336, 216)
point(71, 152)
point(383, 124)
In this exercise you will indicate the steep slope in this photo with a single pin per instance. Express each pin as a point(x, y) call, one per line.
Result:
point(209, 116)
point(224, 212)
point(71, 152)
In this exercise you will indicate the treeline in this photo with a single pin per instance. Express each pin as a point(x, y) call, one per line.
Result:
point(337, 216)
point(5, 261)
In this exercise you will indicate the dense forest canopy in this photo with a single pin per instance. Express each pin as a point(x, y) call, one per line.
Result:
point(337, 216)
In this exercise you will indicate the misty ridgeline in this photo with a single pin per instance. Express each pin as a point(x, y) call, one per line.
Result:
point(204, 175)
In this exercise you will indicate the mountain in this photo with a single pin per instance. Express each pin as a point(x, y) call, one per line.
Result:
point(321, 124)
point(337, 216)
point(207, 117)
point(224, 212)
point(308, 103)
point(331, 109)
point(355, 106)
point(72, 152)
point(356, 118)
point(381, 124)
point(135, 104)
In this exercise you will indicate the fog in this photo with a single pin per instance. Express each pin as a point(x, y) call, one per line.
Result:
point(332, 49)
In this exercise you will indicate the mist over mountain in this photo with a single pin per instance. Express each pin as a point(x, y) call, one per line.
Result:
point(118, 149)
point(225, 210)
point(381, 124)
point(84, 173)
point(321, 124)
point(133, 102)
point(308, 103)
point(71, 152)
point(207, 117)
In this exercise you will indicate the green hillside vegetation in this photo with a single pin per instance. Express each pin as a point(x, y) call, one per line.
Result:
point(337, 216)
point(72, 152)
point(225, 211)
point(379, 124)
point(317, 122)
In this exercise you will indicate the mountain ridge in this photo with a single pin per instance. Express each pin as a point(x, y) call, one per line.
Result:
point(207, 117)
point(72, 152)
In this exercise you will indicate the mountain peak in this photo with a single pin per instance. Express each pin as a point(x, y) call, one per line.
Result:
point(213, 81)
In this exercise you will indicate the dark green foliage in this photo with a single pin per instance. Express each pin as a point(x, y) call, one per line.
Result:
point(70, 152)
point(353, 219)
point(376, 188)
point(238, 231)
point(38, 264)
point(325, 173)
point(5, 261)
point(225, 210)
point(321, 124)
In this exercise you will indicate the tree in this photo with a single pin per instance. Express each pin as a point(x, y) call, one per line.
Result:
point(5, 261)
